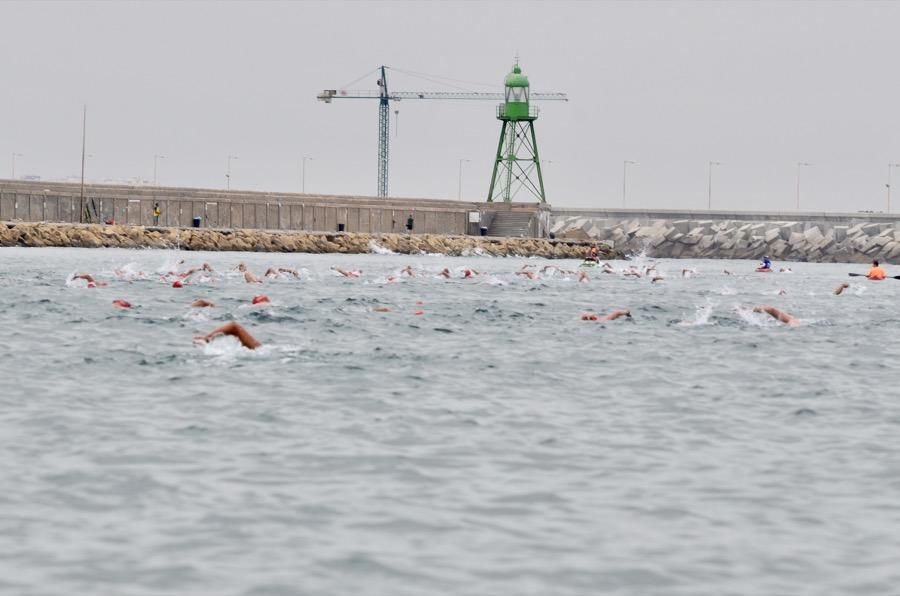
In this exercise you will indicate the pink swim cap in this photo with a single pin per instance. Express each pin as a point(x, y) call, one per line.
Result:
point(261, 299)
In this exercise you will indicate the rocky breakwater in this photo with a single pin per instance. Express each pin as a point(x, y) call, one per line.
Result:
point(814, 241)
point(96, 236)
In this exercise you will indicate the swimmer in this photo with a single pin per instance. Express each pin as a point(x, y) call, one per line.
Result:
point(119, 303)
point(607, 268)
point(782, 292)
point(92, 283)
point(528, 274)
point(785, 270)
point(276, 272)
point(726, 272)
point(230, 328)
point(408, 271)
point(353, 273)
point(202, 303)
point(583, 277)
point(261, 299)
point(467, 273)
point(775, 313)
point(248, 277)
point(445, 273)
point(658, 278)
point(380, 309)
point(205, 267)
point(840, 289)
point(615, 315)
point(688, 273)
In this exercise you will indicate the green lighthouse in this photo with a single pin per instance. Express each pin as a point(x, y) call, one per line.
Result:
point(517, 167)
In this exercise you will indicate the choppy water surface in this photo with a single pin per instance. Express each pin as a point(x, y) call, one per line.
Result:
point(494, 444)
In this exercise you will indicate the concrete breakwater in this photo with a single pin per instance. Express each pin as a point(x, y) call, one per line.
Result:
point(119, 236)
point(821, 239)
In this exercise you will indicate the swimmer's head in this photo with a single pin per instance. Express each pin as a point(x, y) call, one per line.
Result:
point(875, 263)
point(261, 299)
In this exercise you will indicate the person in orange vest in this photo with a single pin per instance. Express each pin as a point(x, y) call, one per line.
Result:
point(876, 272)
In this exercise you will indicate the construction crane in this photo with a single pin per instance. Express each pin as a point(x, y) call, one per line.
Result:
point(384, 97)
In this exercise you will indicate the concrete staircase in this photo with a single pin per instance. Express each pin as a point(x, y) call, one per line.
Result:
point(511, 224)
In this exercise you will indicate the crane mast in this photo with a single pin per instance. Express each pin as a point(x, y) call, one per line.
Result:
point(384, 127)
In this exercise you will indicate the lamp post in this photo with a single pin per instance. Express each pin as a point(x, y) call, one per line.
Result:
point(890, 167)
point(228, 172)
point(459, 184)
point(800, 164)
point(14, 156)
point(303, 173)
point(709, 185)
point(625, 178)
point(156, 159)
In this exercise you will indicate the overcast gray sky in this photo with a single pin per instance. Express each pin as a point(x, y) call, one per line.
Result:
point(672, 85)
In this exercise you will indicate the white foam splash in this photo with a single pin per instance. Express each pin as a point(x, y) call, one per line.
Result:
point(377, 249)
point(752, 318)
point(701, 315)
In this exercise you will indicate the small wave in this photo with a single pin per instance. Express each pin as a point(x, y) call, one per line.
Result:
point(377, 249)
point(475, 252)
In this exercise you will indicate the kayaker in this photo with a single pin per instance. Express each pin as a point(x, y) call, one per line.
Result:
point(766, 264)
point(876, 273)
point(592, 254)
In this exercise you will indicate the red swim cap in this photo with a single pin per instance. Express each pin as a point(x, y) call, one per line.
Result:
point(177, 284)
point(589, 316)
point(121, 303)
point(261, 299)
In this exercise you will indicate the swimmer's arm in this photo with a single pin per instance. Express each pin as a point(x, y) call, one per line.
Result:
point(235, 330)
point(838, 290)
point(778, 314)
point(615, 315)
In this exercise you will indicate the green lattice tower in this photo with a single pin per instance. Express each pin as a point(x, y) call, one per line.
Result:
point(517, 166)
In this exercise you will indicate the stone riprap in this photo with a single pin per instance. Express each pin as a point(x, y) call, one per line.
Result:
point(119, 236)
point(815, 241)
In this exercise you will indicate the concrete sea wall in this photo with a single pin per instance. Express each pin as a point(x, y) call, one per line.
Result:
point(808, 237)
point(29, 201)
point(119, 236)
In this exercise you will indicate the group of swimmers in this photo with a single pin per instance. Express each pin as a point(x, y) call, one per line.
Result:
point(529, 271)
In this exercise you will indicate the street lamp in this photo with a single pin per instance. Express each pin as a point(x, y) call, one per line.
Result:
point(890, 167)
point(625, 178)
point(14, 156)
point(228, 172)
point(303, 173)
point(156, 159)
point(709, 185)
point(459, 185)
point(800, 164)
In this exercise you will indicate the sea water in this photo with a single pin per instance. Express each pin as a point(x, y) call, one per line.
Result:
point(479, 438)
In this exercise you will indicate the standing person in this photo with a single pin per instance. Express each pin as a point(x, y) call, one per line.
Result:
point(876, 273)
point(156, 213)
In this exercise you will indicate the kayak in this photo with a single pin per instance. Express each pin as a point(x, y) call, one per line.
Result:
point(589, 264)
point(763, 270)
